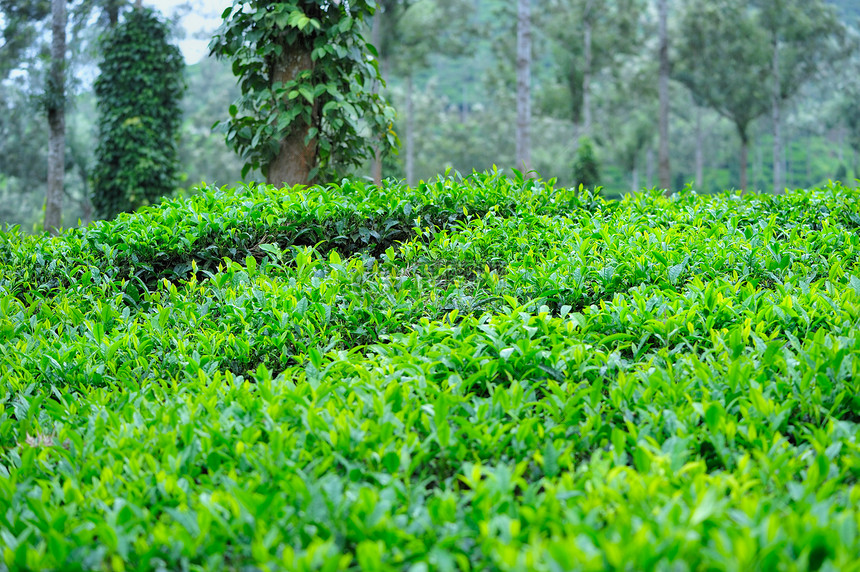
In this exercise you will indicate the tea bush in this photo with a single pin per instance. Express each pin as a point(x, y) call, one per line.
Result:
point(478, 374)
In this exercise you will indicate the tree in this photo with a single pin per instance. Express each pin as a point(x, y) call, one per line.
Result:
point(804, 36)
point(308, 108)
point(406, 33)
point(139, 91)
point(524, 64)
point(724, 61)
point(663, 90)
point(849, 112)
point(55, 104)
point(592, 35)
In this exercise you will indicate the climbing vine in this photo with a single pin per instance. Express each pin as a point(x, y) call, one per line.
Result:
point(138, 93)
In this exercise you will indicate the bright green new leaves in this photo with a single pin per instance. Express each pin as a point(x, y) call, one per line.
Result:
point(331, 94)
point(474, 374)
point(138, 90)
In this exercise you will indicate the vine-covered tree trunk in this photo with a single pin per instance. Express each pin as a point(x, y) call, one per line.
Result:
point(524, 63)
point(319, 123)
point(56, 118)
point(296, 156)
point(663, 89)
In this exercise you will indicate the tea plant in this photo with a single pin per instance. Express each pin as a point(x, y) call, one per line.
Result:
point(486, 373)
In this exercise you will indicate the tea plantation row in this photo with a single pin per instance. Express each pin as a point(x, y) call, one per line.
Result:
point(486, 374)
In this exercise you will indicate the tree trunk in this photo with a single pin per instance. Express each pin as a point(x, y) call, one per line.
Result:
point(296, 157)
point(840, 138)
point(524, 63)
point(464, 102)
point(111, 8)
point(649, 168)
point(744, 158)
point(700, 151)
point(840, 141)
point(855, 163)
point(410, 133)
point(376, 36)
point(56, 118)
point(663, 88)
point(758, 168)
point(778, 178)
point(586, 77)
point(635, 186)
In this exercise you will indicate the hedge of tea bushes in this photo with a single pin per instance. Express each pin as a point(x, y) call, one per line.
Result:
point(516, 377)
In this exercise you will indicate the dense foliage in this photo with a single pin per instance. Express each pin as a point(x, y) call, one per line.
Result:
point(331, 98)
point(478, 374)
point(139, 90)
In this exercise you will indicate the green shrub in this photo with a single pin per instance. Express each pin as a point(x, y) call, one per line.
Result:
point(477, 374)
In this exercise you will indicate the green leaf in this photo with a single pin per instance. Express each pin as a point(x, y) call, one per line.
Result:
point(307, 93)
point(675, 272)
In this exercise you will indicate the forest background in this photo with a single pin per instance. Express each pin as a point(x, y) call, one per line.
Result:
point(450, 70)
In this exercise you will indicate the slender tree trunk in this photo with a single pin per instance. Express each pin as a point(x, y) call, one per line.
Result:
point(744, 158)
point(663, 89)
point(86, 205)
point(410, 133)
point(855, 163)
point(524, 63)
point(586, 77)
point(376, 36)
point(758, 168)
point(778, 178)
point(635, 186)
point(464, 103)
point(296, 158)
point(56, 118)
point(649, 168)
point(700, 151)
point(840, 138)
